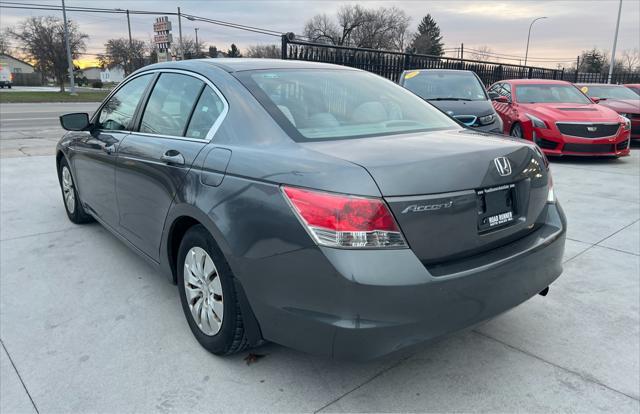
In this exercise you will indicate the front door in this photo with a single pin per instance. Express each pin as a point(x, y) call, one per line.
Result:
point(94, 156)
point(153, 162)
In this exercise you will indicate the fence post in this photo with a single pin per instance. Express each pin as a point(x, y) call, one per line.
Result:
point(283, 51)
point(530, 74)
point(562, 74)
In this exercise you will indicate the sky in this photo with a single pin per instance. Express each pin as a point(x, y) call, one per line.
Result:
point(570, 27)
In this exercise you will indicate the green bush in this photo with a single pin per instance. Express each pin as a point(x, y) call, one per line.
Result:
point(97, 84)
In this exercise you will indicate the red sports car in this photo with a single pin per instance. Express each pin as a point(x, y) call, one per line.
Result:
point(619, 98)
point(559, 118)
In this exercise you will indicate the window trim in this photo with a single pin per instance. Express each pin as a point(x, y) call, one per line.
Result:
point(147, 94)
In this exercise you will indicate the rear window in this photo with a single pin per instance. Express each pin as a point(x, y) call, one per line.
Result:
point(315, 104)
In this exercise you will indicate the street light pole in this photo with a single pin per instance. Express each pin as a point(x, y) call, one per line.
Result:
point(180, 34)
point(615, 43)
point(526, 54)
point(130, 43)
point(197, 48)
point(66, 41)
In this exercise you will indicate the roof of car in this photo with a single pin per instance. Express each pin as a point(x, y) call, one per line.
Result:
point(600, 84)
point(242, 64)
point(438, 70)
point(536, 81)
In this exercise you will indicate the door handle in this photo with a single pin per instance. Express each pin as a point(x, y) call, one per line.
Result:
point(172, 157)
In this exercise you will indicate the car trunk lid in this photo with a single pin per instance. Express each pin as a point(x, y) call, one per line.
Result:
point(450, 191)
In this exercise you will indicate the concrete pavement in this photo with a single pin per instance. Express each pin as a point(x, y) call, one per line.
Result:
point(86, 325)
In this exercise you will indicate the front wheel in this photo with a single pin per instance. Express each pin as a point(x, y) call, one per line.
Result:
point(208, 295)
point(72, 204)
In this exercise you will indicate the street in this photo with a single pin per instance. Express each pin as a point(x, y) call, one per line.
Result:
point(33, 128)
point(87, 326)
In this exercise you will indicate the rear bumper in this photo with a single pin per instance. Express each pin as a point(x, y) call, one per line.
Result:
point(365, 304)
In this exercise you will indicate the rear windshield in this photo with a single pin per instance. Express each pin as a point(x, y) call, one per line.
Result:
point(609, 92)
point(551, 93)
point(313, 104)
point(445, 86)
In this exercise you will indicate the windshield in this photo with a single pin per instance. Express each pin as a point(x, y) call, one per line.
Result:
point(315, 104)
point(552, 93)
point(445, 85)
point(609, 92)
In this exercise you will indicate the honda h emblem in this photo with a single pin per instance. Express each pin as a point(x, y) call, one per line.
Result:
point(592, 128)
point(503, 166)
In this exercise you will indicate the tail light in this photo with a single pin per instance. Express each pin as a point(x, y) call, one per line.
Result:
point(338, 220)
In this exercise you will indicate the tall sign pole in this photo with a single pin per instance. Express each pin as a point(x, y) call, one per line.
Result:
point(66, 41)
point(163, 38)
point(615, 43)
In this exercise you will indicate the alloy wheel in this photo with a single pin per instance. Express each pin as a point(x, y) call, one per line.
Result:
point(68, 191)
point(203, 291)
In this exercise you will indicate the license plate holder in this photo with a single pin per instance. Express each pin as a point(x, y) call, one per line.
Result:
point(496, 207)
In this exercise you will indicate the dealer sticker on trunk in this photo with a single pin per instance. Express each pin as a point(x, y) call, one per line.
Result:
point(499, 219)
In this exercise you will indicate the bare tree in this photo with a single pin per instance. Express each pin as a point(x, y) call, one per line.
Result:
point(483, 54)
point(189, 48)
point(120, 53)
point(5, 47)
point(382, 28)
point(631, 59)
point(264, 51)
point(41, 39)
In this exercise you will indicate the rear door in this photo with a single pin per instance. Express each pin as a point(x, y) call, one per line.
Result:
point(175, 125)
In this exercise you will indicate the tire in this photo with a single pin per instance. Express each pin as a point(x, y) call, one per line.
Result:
point(516, 131)
point(219, 334)
point(70, 198)
point(9, 86)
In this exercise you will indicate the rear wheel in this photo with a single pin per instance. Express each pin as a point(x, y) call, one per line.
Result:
point(208, 295)
point(72, 204)
point(516, 131)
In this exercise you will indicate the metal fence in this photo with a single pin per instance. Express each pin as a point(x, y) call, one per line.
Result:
point(391, 64)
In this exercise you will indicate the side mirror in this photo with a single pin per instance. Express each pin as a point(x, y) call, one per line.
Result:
point(502, 99)
point(78, 121)
point(493, 95)
point(596, 99)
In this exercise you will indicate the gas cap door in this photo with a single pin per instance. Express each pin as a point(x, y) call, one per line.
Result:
point(214, 166)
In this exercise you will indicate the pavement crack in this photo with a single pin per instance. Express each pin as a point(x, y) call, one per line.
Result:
point(378, 374)
point(35, 407)
point(580, 375)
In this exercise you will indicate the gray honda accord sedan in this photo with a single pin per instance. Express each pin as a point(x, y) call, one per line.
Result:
point(316, 206)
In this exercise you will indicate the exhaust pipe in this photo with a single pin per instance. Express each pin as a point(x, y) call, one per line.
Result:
point(544, 291)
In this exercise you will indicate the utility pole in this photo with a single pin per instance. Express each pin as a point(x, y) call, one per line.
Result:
point(130, 43)
point(66, 41)
point(461, 50)
point(615, 43)
point(197, 47)
point(181, 53)
point(526, 54)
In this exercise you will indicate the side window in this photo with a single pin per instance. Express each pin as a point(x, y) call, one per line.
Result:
point(170, 104)
point(507, 90)
point(117, 113)
point(207, 111)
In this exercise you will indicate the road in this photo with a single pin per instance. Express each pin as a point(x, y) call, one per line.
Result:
point(87, 326)
point(33, 128)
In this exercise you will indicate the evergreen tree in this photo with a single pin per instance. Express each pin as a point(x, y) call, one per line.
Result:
point(427, 40)
point(234, 51)
point(213, 52)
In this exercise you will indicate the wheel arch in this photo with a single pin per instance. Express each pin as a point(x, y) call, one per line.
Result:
point(180, 219)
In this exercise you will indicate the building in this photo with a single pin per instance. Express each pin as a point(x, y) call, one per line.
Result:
point(15, 65)
point(92, 73)
point(114, 74)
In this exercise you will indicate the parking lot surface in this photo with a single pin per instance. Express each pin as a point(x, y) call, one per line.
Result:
point(86, 325)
